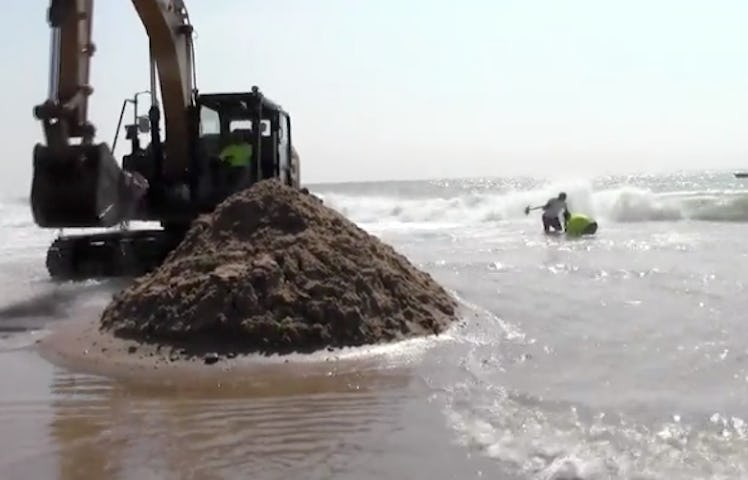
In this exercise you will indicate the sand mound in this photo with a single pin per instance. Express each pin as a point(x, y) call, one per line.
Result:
point(273, 270)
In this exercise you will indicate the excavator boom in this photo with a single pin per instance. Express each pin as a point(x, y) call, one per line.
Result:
point(95, 192)
point(65, 113)
point(170, 33)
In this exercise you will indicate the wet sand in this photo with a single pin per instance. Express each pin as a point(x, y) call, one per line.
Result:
point(303, 422)
point(101, 412)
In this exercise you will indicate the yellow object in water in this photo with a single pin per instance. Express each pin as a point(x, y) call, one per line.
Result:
point(579, 225)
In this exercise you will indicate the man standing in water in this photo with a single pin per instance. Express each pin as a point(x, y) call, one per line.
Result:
point(551, 211)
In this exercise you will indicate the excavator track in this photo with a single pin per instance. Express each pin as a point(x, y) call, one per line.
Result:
point(110, 254)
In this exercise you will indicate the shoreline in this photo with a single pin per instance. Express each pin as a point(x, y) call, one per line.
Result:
point(79, 346)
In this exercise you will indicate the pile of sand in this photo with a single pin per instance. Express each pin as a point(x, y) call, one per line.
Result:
point(273, 270)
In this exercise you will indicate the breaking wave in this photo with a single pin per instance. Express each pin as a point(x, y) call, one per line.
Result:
point(617, 204)
point(622, 204)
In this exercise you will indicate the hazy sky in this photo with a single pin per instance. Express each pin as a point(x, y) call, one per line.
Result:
point(424, 88)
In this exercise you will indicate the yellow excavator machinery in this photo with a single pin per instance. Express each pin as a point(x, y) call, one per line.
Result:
point(77, 182)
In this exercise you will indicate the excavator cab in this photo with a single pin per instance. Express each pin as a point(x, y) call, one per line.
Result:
point(217, 121)
point(249, 118)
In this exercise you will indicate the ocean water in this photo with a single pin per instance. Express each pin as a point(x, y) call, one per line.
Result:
point(623, 355)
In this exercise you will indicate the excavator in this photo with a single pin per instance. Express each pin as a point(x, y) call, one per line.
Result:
point(78, 184)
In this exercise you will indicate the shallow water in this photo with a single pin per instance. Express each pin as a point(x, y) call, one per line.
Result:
point(619, 356)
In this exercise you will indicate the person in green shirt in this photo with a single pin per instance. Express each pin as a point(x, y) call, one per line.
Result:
point(238, 153)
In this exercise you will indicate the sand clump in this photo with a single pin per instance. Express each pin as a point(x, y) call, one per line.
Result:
point(273, 270)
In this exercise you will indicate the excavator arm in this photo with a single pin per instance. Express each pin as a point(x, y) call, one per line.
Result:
point(172, 54)
point(65, 112)
point(78, 183)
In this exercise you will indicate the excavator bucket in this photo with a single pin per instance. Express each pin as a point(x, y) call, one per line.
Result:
point(78, 186)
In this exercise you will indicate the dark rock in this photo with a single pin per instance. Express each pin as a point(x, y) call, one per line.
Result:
point(210, 358)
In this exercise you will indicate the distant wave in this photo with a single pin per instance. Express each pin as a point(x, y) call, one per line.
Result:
point(624, 204)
